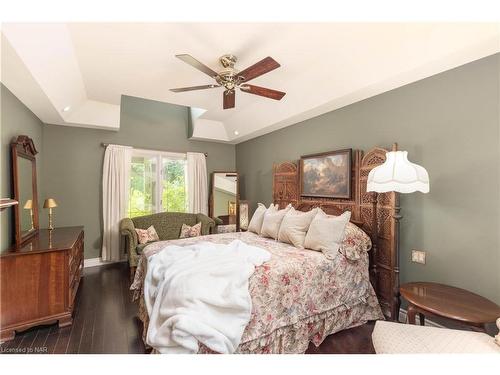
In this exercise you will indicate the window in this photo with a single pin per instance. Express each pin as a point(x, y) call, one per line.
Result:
point(157, 183)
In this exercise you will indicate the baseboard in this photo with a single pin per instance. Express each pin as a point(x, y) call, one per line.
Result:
point(428, 322)
point(97, 262)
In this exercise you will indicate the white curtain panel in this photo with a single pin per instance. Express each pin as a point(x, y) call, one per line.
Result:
point(115, 196)
point(197, 183)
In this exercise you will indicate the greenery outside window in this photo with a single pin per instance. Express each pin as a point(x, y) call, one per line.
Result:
point(157, 183)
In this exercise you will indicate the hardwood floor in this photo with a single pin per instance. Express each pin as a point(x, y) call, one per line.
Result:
point(105, 322)
point(357, 340)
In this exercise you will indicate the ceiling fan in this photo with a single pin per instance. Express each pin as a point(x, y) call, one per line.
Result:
point(230, 78)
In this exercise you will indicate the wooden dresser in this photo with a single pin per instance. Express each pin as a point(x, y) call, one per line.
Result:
point(39, 280)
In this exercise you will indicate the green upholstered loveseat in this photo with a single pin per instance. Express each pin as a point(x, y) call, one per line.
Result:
point(167, 225)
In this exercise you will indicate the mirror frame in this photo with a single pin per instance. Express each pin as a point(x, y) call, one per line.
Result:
point(23, 147)
point(211, 200)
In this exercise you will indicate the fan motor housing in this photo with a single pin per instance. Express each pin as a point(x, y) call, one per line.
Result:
point(228, 61)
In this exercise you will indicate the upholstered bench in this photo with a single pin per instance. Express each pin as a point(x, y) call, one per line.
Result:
point(394, 338)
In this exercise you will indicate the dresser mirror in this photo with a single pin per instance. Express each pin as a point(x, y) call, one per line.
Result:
point(25, 188)
point(224, 200)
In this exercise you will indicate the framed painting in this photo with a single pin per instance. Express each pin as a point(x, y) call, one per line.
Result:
point(326, 175)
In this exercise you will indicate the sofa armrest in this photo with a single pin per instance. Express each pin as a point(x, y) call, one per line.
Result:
point(218, 221)
point(127, 229)
point(206, 223)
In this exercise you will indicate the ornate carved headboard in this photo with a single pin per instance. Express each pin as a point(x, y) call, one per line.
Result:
point(375, 213)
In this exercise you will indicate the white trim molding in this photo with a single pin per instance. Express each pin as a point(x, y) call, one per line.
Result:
point(428, 322)
point(97, 262)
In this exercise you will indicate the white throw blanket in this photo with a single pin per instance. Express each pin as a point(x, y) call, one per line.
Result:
point(199, 293)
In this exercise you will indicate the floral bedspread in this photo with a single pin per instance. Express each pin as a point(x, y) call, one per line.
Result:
point(298, 294)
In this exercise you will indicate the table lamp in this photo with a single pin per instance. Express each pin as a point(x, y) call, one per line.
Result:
point(50, 203)
point(29, 206)
point(399, 175)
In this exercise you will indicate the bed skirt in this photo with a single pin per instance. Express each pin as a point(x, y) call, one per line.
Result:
point(295, 338)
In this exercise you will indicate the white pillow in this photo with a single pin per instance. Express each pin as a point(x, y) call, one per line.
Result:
point(295, 225)
point(326, 233)
point(255, 224)
point(272, 222)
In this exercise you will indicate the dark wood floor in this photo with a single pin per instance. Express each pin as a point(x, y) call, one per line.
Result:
point(105, 322)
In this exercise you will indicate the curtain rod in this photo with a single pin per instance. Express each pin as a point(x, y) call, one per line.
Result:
point(148, 149)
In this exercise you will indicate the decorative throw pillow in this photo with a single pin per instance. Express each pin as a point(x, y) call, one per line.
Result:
point(255, 224)
point(326, 233)
point(188, 231)
point(272, 222)
point(355, 243)
point(294, 226)
point(147, 235)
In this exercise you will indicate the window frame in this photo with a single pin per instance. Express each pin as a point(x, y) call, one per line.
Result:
point(159, 155)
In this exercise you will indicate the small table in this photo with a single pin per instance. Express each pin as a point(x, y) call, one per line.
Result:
point(448, 302)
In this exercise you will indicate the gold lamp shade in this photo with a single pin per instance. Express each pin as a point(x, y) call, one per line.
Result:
point(49, 203)
point(28, 205)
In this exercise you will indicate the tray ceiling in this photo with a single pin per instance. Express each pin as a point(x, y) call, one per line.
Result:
point(74, 74)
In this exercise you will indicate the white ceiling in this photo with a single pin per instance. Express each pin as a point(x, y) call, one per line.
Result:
point(324, 66)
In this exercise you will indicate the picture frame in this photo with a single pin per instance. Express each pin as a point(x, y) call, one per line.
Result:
point(326, 175)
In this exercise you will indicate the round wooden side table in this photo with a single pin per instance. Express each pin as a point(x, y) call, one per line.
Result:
point(448, 302)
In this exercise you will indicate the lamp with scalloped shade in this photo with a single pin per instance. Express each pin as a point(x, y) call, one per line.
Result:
point(397, 174)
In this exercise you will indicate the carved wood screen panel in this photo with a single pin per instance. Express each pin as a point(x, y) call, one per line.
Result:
point(378, 212)
point(374, 213)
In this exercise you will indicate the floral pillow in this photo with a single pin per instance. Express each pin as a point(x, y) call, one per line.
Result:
point(355, 242)
point(188, 231)
point(147, 235)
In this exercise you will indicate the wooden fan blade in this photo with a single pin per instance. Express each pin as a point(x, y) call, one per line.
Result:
point(196, 64)
point(262, 91)
point(181, 89)
point(262, 67)
point(228, 99)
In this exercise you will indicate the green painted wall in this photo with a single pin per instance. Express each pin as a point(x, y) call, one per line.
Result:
point(73, 159)
point(448, 123)
point(16, 119)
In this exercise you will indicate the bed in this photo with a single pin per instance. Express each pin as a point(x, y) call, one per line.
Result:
point(299, 296)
